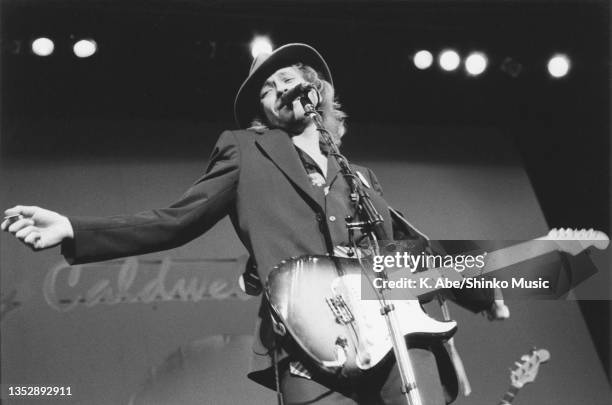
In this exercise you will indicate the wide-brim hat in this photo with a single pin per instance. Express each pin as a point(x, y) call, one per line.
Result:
point(247, 103)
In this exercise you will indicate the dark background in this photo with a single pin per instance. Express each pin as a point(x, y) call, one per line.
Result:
point(184, 60)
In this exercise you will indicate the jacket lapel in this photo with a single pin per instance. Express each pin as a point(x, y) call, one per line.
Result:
point(277, 145)
point(332, 169)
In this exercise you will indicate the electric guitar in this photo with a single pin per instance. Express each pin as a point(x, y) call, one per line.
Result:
point(525, 372)
point(317, 300)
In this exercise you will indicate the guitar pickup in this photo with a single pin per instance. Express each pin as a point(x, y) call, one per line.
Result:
point(340, 310)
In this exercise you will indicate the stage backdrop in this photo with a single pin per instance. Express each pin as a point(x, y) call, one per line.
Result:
point(173, 326)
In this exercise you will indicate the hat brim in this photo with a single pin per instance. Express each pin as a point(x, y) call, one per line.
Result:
point(246, 104)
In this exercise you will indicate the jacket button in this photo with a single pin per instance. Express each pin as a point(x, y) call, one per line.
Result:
point(332, 218)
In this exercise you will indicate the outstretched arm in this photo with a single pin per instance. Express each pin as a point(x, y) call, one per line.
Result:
point(101, 238)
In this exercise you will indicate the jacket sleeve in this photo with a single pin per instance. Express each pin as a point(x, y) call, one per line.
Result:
point(202, 206)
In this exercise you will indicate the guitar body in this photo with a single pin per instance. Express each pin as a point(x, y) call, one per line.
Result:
point(317, 300)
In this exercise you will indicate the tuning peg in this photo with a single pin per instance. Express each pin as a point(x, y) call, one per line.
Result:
point(525, 357)
point(519, 365)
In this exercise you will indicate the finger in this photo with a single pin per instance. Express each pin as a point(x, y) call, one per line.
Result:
point(25, 210)
point(16, 210)
point(20, 224)
point(505, 312)
point(23, 232)
point(32, 239)
point(501, 314)
point(11, 219)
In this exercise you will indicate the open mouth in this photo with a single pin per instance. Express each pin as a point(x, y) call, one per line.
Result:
point(279, 108)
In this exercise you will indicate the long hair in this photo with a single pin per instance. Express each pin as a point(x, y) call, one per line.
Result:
point(329, 108)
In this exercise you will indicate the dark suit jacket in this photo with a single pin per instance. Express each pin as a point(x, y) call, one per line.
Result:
point(258, 180)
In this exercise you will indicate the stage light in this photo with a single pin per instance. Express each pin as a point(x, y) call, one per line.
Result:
point(85, 48)
point(558, 66)
point(476, 63)
point(449, 60)
point(43, 46)
point(423, 59)
point(260, 45)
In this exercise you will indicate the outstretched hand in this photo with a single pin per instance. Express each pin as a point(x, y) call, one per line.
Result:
point(498, 311)
point(36, 227)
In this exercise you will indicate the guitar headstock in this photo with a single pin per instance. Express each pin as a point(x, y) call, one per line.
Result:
point(574, 241)
point(527, 370)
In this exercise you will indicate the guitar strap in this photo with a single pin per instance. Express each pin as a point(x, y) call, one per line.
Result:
point(464, 382)
point(279, 394)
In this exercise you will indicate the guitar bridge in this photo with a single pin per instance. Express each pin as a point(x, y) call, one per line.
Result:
point(340, 310)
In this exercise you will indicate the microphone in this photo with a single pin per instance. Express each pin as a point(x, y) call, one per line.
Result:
point(302, 90)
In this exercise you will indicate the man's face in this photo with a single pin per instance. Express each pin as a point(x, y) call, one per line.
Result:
point(290, 118)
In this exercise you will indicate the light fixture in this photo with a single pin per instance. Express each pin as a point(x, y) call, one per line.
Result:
point(85, 48)
point(42, 46)
point(260, 45)
point(476, 63)
point(449, 60)
point(558, 66)
point(423, 59)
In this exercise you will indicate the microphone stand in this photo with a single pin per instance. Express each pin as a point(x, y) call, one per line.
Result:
point(371, 224)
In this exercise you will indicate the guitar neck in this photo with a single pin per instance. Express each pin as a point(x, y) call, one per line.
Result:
point(511, 255)
point(493, 261)
point(498, 259)
point(509, 395)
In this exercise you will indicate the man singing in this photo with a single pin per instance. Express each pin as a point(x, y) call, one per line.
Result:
point(286, 197)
